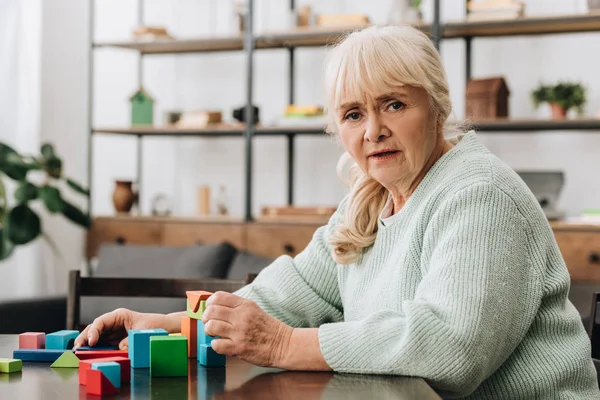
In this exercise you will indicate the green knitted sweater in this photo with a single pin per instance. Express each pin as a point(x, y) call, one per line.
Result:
point(465, 287)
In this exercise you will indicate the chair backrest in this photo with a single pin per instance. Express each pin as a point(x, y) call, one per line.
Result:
point(594, 326)
point(139, 287)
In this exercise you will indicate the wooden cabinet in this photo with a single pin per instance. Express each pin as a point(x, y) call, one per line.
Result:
point(125, 231)
point(276, 239)
point(580, 247)
point(184, 233)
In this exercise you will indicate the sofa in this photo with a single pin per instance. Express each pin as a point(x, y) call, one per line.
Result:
point(222, 261)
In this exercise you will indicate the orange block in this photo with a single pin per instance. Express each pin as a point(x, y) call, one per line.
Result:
point(195, 297)
point(189, 329)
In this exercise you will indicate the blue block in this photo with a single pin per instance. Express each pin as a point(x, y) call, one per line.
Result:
point(202, 337)
point(39, 355)
point(61, 340)
point(139, 346)
point(210, 358)
point(112, 371)
point(96, 348)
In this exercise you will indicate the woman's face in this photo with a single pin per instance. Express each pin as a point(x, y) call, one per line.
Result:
point(392, 136)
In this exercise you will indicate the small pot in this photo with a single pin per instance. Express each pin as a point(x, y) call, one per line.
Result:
point(558, 112)
point(123, 196)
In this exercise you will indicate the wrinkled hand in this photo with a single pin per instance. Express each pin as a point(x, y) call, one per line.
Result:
point(112, 327)
point(245, 331)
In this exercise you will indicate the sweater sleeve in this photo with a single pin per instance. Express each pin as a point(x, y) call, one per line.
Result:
point(477, 298)
point(302, 291)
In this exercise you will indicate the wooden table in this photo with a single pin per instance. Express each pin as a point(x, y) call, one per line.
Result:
point(239, 380)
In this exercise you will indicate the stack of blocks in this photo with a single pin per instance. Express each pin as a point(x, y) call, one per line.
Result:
point(193, 328)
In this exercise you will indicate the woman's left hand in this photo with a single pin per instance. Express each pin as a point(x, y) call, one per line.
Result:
point(245, 331)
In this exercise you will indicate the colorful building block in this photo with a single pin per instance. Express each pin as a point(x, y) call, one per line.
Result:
point(196, 303)
point(98, 384)
point(61, 340)
point(203, 338)
point(110, 369)
point(210, 358)
point(189, 329)
point(32, 340)
point(168, 356)
point(89, 354)
point(9, 365)
point(125, 364)
point(199, 311)
point(96, 348)
point(66, 360)
point(139, 346)
point(38, 355)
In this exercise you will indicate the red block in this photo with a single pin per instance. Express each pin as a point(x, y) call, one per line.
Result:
point(86, 355)
point(32, 340)
point(99, 384)
point(189, 329)
point(85, 365)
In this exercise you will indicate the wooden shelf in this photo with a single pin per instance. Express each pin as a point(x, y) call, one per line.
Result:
point(212, 219)
point(529, 125)
point(290, 130)
point(524, 26)
point(212, 131)
point(316, 36)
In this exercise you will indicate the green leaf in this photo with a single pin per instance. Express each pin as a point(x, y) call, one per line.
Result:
point(76, 215)
point(25, 192)
point(23, 225)
point(47, 151)
point(6, 246)
point(52, 198)
point(54, 167)
point(76, 187)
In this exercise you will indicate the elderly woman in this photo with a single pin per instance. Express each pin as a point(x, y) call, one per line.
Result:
point(438, 264)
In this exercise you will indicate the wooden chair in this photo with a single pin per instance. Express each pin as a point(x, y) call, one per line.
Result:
point(143, 287)
point(593, 329)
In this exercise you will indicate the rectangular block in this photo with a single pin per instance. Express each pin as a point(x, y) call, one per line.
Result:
point(125, 363)
point(112, 371)
point(202, 337)
point(61, 340)
point(189, 329)
point(139, 346)
point(32, 340)
point(10, 365)
point(89, 354)
point(96, 348)
point(209, 358)
point(98, 384)
point(168, 356)
point(38, 355)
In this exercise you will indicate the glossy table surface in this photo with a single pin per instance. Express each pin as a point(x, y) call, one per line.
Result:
point(239, 380)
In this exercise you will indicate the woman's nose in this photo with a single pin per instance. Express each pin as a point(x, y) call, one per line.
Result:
point(376, 131)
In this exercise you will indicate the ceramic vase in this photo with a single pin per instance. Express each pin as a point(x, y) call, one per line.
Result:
point(558, 112)
point(123, 196)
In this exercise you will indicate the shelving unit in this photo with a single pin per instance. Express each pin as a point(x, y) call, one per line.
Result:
point(315, 37)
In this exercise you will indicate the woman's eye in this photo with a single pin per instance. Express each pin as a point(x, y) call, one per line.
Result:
point(397, 105)
point(352, 116)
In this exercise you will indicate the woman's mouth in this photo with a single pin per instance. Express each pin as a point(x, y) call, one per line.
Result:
point(385, 155)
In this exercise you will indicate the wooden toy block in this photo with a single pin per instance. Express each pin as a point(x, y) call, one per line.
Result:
point(61, 340)
point(210, 358)
point(139, 346)
point(125, 364)
point(195, 308)
point(175, 334)
point(189, 329)
point(32, 340)
point(198, 313)
point(168, 356)
point(96, 348)
point(98, 384)
point(66, 360)
point(10, 365)
point(38, 355)
point(112, 371)
point(203, 338)
point(89, 354)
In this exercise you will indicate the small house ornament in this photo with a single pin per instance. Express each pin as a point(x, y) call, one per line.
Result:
point(487, 98)
point(142, 108)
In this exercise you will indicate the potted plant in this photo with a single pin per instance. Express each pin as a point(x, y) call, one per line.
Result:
point(561, 97)
point(19, 223)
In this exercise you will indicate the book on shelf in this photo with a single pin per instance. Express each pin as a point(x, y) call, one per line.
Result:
point(485, 10)
point(295, 212)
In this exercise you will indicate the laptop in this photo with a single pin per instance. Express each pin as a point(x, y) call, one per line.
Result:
point(546, 186)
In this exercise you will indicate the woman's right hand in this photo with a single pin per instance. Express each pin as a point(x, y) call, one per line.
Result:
point(112, 327)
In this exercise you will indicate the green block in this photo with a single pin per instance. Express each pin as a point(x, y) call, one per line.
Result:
point(168, 356)
point(198, 314)
point(67, 360)
point(9, 365)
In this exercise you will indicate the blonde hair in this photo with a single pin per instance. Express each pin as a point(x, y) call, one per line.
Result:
point(365, 65)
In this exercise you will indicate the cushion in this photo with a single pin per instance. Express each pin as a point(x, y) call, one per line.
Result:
point(135, 261)
point(245, 263)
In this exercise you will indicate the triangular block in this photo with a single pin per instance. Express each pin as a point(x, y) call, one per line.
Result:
point(67, 360)
point(99, 384)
